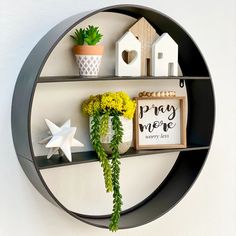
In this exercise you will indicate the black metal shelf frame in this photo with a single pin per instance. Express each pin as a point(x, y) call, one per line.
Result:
point(57, 79)
point(200, 123)
point(91, 156)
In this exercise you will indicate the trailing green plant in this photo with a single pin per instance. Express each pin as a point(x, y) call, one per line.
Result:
point(115, 159)
point(95, 139)
point(99, 108)
point(89, 35)
point(104, 124)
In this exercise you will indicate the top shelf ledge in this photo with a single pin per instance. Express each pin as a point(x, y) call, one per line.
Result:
point(56, 79)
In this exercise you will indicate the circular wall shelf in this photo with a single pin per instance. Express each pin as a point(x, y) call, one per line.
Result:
point(200, 120)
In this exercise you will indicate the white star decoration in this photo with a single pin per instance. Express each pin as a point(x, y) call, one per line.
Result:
point(61, 138)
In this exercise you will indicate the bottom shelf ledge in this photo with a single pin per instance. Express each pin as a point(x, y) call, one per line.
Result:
point(90, 156)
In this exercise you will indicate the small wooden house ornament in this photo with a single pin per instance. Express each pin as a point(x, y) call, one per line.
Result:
point(147, 35)
point(165, 56)
point(128, 56)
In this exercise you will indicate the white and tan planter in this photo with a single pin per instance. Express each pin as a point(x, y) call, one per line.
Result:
point(88, 59)
point(127, 137)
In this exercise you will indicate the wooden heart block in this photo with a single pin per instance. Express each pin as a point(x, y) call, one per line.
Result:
point(129, 56)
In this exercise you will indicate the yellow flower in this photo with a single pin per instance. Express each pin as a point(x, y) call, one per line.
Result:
point(109, 102)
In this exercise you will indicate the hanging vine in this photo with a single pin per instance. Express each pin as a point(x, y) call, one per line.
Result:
point(100, 107)
point(95, 139)
point(104, 124)
point(117, 197)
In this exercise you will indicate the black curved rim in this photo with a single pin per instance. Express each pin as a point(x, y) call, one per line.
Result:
point(201, 109)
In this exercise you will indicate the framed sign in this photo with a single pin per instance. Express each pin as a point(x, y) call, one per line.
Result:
point(160, 122)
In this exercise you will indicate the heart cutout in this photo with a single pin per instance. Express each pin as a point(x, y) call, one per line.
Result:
point(129, 56)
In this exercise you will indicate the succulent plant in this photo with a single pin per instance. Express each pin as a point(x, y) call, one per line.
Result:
point(78, 36)
point(90, 36)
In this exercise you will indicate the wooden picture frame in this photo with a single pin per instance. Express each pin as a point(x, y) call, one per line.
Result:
point(160, 122)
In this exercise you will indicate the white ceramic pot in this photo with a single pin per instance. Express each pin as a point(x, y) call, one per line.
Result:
point(88, 64)
point(88, 59)
point(127, 137)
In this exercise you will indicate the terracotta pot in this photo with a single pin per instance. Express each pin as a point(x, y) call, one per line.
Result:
point(127, 137)
point(88, 59)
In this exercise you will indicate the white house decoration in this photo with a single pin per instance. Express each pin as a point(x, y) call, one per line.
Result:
point(61, 138)
point(164, 56)
point(128, 56)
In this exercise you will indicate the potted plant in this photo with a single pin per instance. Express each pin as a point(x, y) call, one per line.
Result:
point(88, 54)
point(111, 131)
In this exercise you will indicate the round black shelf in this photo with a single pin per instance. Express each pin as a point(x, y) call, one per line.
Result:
point(200, 121)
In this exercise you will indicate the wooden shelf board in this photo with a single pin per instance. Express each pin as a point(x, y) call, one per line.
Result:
point(90, 156)
point(56, 79)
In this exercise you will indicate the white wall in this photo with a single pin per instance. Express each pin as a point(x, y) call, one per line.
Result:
point(209, 208)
